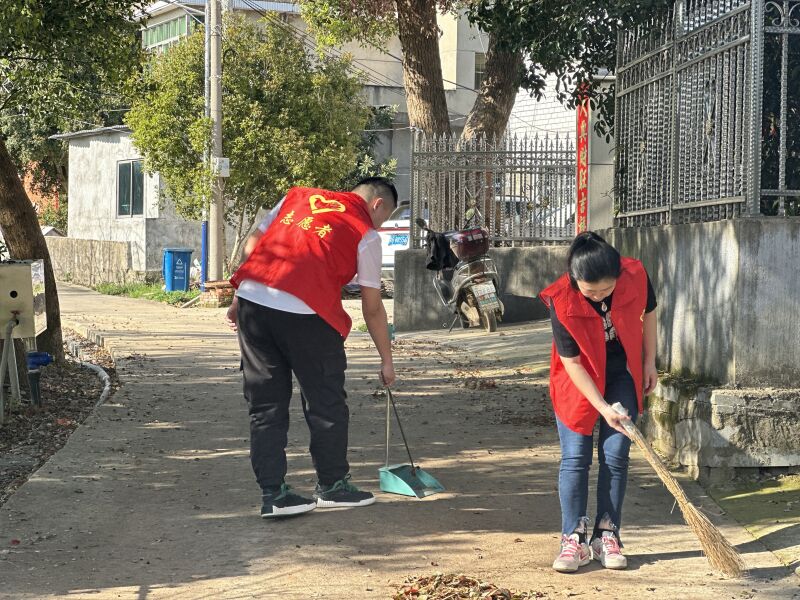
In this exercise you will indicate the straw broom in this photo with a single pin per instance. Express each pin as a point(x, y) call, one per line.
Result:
point(719, 552)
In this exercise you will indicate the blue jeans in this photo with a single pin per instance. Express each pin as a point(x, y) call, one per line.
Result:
point(612, 456)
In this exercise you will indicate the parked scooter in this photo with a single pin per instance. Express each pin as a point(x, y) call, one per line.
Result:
point(466, 279)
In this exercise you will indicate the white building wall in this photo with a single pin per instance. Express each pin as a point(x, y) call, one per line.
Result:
point(92, 207)
point(92, 187)
point(548, 115)
point(458, 46)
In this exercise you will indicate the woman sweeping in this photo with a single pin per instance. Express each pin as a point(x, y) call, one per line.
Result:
point(604, 333)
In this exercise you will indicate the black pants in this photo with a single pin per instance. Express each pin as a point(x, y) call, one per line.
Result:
point(275, 344)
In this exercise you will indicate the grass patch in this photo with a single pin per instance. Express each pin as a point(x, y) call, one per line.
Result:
point(769, 510)
point(148, 291)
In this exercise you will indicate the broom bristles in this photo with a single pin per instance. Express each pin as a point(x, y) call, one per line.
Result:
point(717, 549)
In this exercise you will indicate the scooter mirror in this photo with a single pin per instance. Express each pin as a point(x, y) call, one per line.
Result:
point(421, 223)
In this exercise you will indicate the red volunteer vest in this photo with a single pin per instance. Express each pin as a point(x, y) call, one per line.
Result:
point(311, 250)
point(585, 325)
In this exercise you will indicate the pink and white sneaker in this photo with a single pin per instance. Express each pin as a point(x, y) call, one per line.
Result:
point(573, 554)
point(606, 549)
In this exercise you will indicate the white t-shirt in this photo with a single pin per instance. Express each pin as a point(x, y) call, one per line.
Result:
point(369, 274)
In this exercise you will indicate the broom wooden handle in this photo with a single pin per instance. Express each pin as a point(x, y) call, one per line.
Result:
point(628, 425)
point(721, 554)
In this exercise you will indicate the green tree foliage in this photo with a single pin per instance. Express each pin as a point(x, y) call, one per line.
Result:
point(27, 135)
point(572, 40)
point(55, 217)
point(53, 84)
point(54, 56)
point(288, 119)
point(368, 164)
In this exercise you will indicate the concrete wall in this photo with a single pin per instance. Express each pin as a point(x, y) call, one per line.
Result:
point(694, 270)
point(171, 231)
point(92, 208)
point(727, 294)
point(601, 176)
point(767, 340)
point(524, 272)
point(89, 262)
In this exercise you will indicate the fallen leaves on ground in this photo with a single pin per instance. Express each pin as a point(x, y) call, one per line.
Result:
point(31, 435)
point(480, 383)
point(457, 587)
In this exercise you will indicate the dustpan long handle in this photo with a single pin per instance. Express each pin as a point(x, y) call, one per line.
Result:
point(388, 425)
point(400, 426)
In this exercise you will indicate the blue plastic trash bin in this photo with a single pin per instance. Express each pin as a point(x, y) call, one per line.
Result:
point(175, 269)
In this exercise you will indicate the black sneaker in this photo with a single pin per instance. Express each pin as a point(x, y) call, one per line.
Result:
point(284, 503)
point(342, 493)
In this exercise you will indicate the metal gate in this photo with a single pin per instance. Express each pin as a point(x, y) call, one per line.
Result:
point(708, 113)
point(521, 189)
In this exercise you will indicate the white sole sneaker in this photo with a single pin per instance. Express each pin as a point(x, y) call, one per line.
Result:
point(332, 504)
point(618, 562)
point(288, 511)
point(615, 565)
point(571, 568)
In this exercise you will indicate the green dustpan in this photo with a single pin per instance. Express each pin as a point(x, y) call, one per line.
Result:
point(404, 479)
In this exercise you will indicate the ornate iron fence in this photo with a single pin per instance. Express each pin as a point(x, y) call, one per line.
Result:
point(521, 189)
point(708, 113)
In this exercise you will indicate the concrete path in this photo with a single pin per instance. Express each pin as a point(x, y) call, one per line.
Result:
point(154, 498)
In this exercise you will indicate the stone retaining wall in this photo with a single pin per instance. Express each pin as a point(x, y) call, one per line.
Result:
point(718, 434)
point(89, 262)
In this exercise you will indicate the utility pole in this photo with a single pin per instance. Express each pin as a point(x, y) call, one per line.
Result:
point(206, 157)
point(216, 239)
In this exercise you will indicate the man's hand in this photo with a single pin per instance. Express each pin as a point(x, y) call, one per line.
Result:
point(231, 317)
point(649, 377)
point(387, 374)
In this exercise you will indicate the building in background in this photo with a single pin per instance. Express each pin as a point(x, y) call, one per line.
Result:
point(462, 50)
point(547, 116)
point(112, 202)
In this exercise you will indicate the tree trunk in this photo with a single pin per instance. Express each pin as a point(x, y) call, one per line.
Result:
point(492, 109)
point(489, 116)
point(422, 66)
point(25, 241)
point(235, 258)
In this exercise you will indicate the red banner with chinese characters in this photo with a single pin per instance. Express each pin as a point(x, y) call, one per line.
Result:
point(582, 170)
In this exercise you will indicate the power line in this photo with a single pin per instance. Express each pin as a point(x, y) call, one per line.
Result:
point(400, 60)
point(455, 83)
point(371, 74)
point(330, 52)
